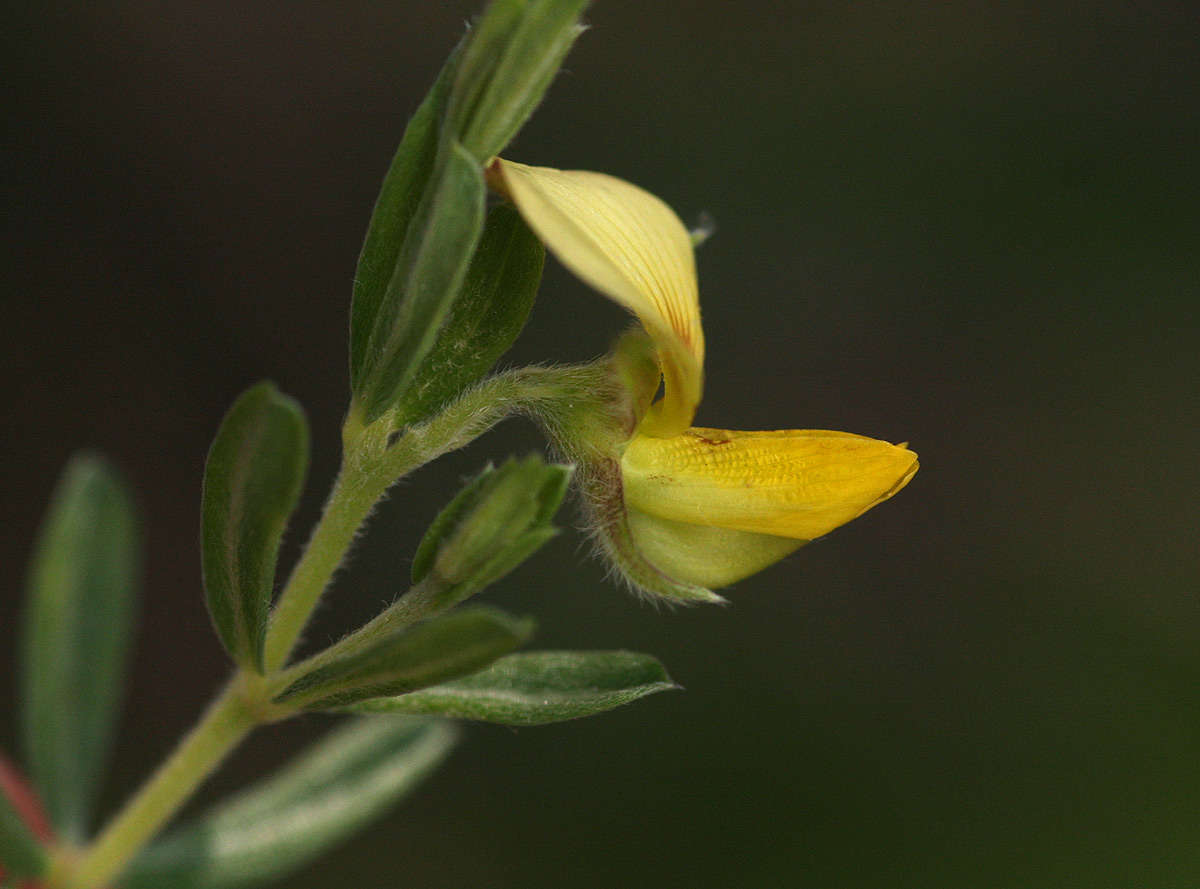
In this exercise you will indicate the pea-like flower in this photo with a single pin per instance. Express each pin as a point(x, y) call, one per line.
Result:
point(681, 509)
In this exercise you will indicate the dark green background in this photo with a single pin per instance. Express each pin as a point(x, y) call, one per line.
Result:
point(972, 226)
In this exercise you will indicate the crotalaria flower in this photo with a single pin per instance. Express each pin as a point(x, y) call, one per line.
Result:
point(680, 509)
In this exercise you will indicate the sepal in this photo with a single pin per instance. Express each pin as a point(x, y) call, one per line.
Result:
point(608, 523)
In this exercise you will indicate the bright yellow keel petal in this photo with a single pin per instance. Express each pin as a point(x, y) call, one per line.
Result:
point(799, 484)
point(703, 555)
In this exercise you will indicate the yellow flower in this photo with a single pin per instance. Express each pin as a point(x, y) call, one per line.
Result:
point(699, 507)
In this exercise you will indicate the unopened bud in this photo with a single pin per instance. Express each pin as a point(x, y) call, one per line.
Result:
point(495, 523)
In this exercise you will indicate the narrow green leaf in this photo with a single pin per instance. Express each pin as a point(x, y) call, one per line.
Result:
point(335, 788)
point(82, 593)
point(414, 261)
point(403, 185)
point(252, 481)
point(21, 855)
point(514, 53)
point(486, 318)
point(485, 46)
point(436, 651)
point(429, 272)
point(537, 687)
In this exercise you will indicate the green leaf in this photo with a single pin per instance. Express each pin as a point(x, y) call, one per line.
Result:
point(252, 481)
point(401, 192)
point(415, 260)
point(537, 687)
point(429, 272)
point(486, 318)
point(514, 53)
point(436, 651)
point(482, 50)
point(335, 788)
point(21, 855)
point(82, 594)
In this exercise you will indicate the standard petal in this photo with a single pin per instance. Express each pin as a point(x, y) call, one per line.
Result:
point(795, 483)
point(630, 246)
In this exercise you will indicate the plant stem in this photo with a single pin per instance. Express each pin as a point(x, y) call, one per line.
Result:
point(419, 603)
point(226, 722)
point(374, 459)
point(353, 497)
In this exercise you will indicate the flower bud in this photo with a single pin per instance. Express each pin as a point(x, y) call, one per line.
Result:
point(494, 524)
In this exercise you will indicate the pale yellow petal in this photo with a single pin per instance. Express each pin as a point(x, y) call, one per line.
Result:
point(630, 246)
point(799, 483)
point(703, 555)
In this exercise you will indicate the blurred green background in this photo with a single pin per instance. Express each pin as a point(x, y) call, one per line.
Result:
point(972, 226)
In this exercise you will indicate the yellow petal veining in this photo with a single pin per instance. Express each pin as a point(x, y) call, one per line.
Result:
point(630, 246)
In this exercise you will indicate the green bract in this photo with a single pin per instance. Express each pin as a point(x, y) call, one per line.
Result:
point(405, 182)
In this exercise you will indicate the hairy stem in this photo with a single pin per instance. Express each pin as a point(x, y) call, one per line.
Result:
point(226, 722)
point(374, 458)
point(379, 455)
point(353, 497)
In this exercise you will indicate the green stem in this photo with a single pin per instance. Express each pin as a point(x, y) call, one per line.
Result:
point(419, 603)
point(226, 722)
point(372, 462)
point(374, 458)
point(353, 497)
